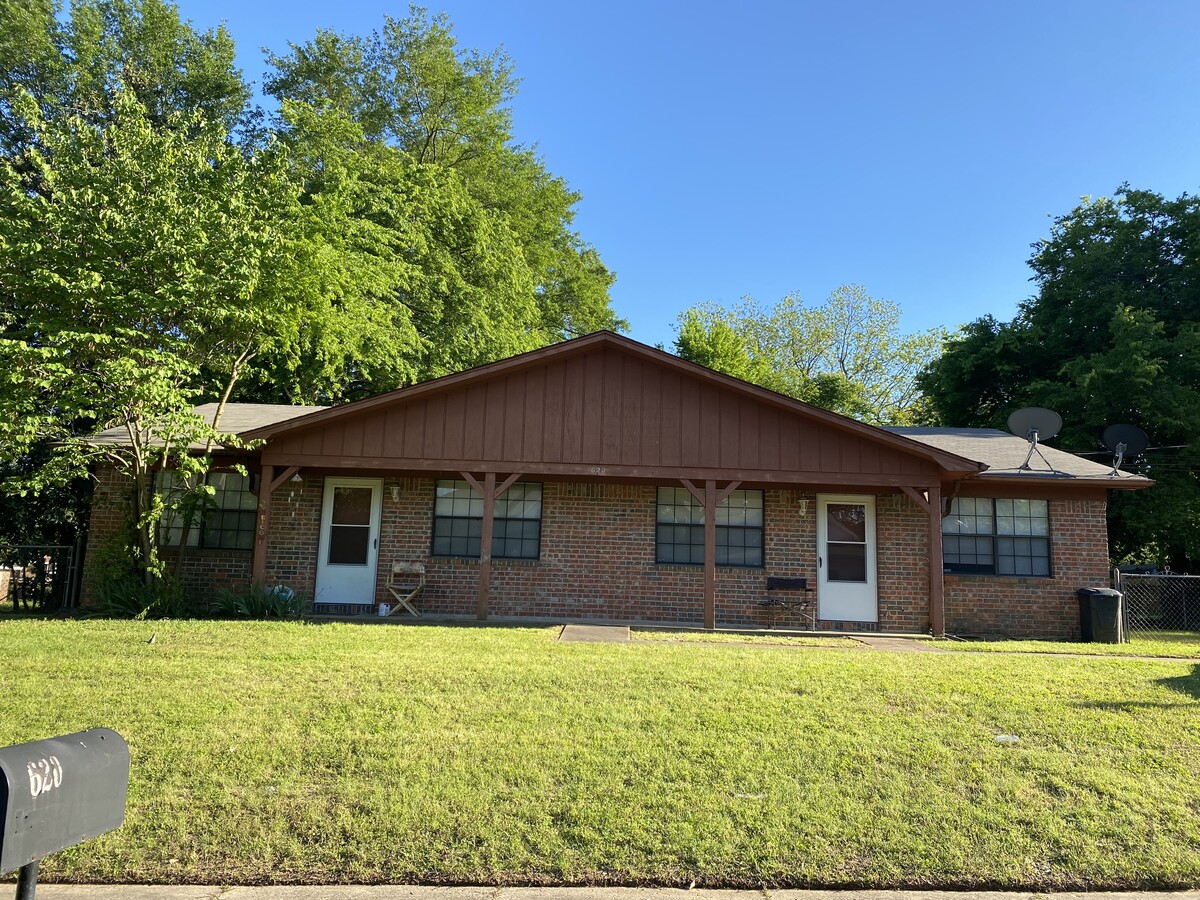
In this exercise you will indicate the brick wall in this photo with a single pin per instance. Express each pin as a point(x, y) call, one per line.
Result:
point(295, 524)
point(902, 554)
point(203, 570)
point(106, 526)
point(1038, 607)
point(597, 561)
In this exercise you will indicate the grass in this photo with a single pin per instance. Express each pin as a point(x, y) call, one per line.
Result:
point(730, 637)
point(1170, 644)
point(301, 753)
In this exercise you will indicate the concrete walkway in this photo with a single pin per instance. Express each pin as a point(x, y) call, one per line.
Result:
point(594, 634)
point(399, 892)
point(898, 644)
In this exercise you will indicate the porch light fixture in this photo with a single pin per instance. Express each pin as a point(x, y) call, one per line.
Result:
point(803, 506)
point(395, 493)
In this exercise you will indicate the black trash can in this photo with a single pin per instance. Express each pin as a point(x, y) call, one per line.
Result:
point(1100, 615)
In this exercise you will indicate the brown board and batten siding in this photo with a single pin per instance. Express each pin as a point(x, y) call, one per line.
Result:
point(603, 412)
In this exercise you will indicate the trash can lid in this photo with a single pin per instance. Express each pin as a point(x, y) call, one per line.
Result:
point(1098, 592)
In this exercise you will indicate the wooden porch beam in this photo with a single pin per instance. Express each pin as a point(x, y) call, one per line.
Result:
point(276, 482)
point(262, 533)
point(710, 554)
point(489, 491)
point(937, 582)
point(916, 496)
point(711, 497)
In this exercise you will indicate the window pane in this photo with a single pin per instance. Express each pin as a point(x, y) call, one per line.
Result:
point(847, 562)
point(846, 522)
point(351, 506)
point(348, 545)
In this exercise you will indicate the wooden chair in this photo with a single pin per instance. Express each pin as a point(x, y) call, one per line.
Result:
point(406, 583)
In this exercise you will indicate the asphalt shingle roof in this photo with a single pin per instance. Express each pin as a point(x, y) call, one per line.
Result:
point(1003, 453)
point(237, 419)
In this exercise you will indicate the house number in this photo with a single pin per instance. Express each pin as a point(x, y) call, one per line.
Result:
point(44, 775)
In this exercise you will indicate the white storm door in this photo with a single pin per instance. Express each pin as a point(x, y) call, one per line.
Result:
point(846, 582)
point(349, 547)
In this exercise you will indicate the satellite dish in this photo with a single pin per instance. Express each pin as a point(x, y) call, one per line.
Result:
point(1124, 440)
point(1034, 423)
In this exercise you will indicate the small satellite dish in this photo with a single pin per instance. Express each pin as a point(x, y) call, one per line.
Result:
point(1035, 423)
point(1123, 441)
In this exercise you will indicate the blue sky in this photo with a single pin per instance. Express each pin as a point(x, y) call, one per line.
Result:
point(758, 149)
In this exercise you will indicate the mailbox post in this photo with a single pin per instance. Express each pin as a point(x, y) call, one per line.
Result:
point(58, 793)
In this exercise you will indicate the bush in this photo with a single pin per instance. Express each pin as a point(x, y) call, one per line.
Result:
point(258, 602)
point(129, 597)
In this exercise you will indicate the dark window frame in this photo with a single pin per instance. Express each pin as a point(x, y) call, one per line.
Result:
point(690, 534)
point(465, 529)
point(994, 550)
point(206, 533)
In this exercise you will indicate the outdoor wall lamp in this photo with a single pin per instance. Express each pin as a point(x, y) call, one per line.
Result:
point(804, 506)
point(395, 493)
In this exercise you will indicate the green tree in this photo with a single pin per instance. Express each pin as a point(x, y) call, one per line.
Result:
point(70, 62)
point(142, 269)
point(1113, 335)
point(847, 355)
point(411, 88)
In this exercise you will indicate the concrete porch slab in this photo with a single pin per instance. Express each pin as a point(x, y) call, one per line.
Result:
point(898, 644)
point(594, 634)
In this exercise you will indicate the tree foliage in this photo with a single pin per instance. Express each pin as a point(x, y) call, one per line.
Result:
point(505, 220)
point(1113, 335)
point(847, 355)
point(141, 268)
point(163, 244)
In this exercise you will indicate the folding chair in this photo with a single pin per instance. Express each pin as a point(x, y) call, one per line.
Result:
point(406, 583)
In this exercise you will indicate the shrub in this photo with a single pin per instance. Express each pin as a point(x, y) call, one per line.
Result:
point(129, 597)
point(258, 602)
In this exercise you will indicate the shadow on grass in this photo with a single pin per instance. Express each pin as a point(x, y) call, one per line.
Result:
point(1185, 684)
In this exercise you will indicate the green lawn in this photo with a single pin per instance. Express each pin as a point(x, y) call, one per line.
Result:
point(330, 753)
point(1152, 643)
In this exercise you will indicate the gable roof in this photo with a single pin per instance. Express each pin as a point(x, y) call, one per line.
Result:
point(651, 359)
point(1004, 453)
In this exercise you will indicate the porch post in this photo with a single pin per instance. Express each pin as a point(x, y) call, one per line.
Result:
point(937, 582)
point(710, 498)
point(710, 554)
point(485, 546)
point(262, 533)
point(268, 481)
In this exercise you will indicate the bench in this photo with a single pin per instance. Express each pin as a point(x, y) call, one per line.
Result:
point(789, 598)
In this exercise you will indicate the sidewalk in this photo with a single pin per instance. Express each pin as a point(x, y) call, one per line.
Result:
point(400, 892)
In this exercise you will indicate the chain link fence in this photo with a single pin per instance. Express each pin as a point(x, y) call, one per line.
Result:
point(1156, 604)
point(38, 578)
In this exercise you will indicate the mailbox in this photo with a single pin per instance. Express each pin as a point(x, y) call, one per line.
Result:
point(59, 792)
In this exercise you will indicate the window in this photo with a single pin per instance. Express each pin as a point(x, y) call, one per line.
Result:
point(458, 521)
point(226, 518)
point(997, 537)
point(679, 537)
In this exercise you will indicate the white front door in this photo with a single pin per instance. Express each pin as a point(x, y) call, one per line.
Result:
point(349, 545)
point(846, 585)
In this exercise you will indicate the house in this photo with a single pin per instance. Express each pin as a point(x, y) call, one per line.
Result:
point(610, 480)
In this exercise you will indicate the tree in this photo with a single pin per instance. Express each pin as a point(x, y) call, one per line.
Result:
point(134, 261)
point(410, 88)
point(1113, 335)
point(70, 63)
point(847, 355)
